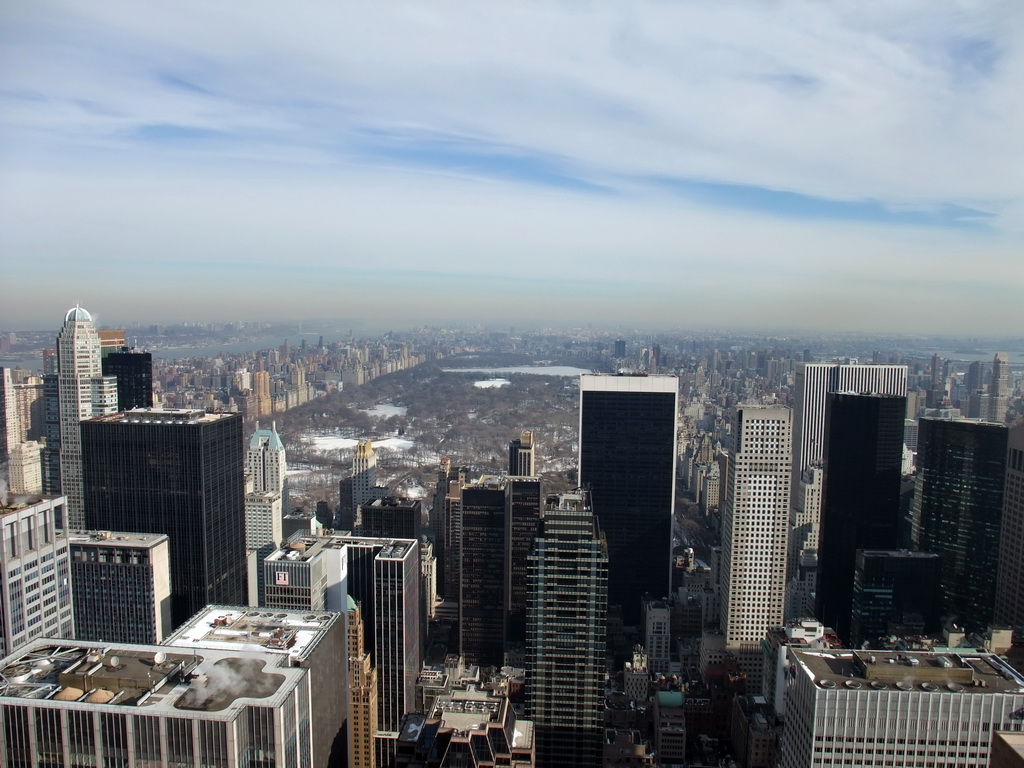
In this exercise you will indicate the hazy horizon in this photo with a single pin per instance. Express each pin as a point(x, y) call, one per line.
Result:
point(782, 165)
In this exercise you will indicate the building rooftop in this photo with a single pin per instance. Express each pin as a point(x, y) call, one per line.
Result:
point(116, 539)
point(305, 548)
point(155, 679)
point(294, 633)
point(968, 673)
point(164, 416)
point(15, 502)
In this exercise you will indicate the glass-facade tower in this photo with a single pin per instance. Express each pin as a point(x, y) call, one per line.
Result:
point(628, 462)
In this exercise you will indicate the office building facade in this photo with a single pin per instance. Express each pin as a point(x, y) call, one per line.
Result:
point(83, 392)
point(522, 455)
point(133, 372)
point(861, 494)
point(895, 592)
point(1009, 608)
point(482, 572)
point(232, 689)
point(180, 473)
point(812, 384)
point(957, 511)
point(362, 688)
point(35, 573)
point(755, 522)
point(627, 458)
point(565, 633)
point(121, 584)
point(877, 709)
point(390, 517)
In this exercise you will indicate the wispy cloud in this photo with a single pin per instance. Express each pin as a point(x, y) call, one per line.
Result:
point(691, 141)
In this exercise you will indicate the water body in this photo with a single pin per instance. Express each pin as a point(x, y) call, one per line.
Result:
point(538, 370)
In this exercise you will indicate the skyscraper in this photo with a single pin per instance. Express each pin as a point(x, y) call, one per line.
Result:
point(565, 633)
point(391, 517)
point(627, 460)
point(364, 473)
point(265, 459)
point(444, 521)
point(521, 455)
point(267, 466)
point(1010, 582)
point(813, 383)
point(362, 692)
point(523, 504)
point(861, 494)
point(957, 511)
point(755, 522)
point(176, 472)
point(999, 388)
point(82, 393)
point(134, 374)
point(482, 572)
point(384, 578)
point(10, 428)
point(895, 592)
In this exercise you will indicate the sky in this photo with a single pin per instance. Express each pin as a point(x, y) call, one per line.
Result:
point(809, 164)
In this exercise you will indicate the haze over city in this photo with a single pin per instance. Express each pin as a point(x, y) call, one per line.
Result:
point(785, 164)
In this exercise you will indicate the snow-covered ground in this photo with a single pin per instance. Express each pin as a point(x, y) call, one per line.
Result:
point(386, 410)
point(336, 442)
point(539, 370)
point(491, 383)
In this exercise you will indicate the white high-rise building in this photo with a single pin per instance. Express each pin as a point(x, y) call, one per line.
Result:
point(83, 393)
point(25, 467)
point(755, 527)
point(813, 383)
point(999, 388)
point(10, 422)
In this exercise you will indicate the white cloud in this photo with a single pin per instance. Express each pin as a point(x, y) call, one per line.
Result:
point(910, 104)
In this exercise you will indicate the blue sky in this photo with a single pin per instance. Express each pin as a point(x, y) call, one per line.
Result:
point(820, 164)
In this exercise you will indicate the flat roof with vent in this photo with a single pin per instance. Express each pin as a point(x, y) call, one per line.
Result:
point(928, 672)
point(155, 679)
point(235, 627)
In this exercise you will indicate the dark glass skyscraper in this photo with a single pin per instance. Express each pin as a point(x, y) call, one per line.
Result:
point(134, 374)
point(482, 584)
point(628, 462)
point(179, 473)
point(390, 518)
point(894, 592)
point(861, 494)
point(957, 511)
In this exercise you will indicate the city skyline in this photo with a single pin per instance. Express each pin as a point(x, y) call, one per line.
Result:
point(859, 168)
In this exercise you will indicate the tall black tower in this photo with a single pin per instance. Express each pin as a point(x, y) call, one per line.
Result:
point(627, 461)
point(134, 374)
point(863, 452)
point(180, 473)
point(958, 511)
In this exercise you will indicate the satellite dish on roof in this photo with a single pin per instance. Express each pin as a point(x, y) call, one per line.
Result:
point(159, 657)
